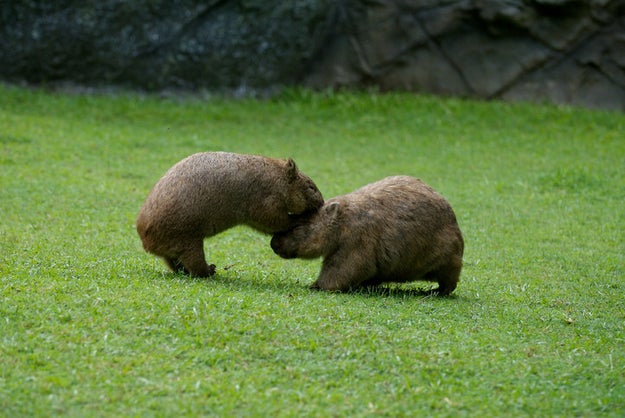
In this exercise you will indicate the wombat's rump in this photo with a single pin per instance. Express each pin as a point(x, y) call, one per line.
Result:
point(207, 193)
point(395, 230)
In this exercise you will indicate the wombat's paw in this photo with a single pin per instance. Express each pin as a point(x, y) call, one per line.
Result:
point(441, 291)
point(204, 271)
point(317, 286)
point(328, 286)
point(211, 269)
point(207, 272)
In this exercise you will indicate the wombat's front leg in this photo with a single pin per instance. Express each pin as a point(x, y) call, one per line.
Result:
point(342, 274)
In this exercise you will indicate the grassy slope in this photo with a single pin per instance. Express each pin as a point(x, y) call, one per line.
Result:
point(89, 324)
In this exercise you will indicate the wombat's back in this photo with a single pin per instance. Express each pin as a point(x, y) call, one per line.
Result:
point(206, 193)
point(401, 199)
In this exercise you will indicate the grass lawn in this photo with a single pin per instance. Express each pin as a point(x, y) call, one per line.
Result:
point(90, 325)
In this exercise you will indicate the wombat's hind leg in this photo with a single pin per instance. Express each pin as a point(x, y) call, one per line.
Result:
point(194, 262)
point(447, 277)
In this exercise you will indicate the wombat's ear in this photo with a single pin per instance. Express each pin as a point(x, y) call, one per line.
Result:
point(333, 210)
point(291, 168)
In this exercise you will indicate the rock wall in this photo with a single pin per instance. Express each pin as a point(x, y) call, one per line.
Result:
point(563, 51)
point(157, 44)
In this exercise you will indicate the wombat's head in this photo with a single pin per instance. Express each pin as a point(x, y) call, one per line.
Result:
point(302, 195)
point(311, 237)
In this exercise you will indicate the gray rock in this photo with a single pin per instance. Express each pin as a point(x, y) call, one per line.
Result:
point(161, 44)
point(563, 51)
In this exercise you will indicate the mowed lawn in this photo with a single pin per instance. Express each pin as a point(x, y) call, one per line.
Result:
point(91, 325)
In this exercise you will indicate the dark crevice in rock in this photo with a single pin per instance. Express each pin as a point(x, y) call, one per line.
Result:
point(434, 45)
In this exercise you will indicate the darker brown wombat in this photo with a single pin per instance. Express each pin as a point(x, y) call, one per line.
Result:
point(395, 230)
point(209, 192)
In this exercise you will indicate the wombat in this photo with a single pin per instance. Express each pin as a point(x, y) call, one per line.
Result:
point(209, 192)
point(395, 230)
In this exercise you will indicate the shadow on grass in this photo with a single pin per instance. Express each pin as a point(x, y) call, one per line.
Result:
point(391, 290)
point(400, 291)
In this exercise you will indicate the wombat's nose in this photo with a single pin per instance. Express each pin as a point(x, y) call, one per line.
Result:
point(274, 244)
point(277, 247)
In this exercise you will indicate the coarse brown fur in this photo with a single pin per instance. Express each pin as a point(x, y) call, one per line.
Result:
point(395, 230)
point(207, 193)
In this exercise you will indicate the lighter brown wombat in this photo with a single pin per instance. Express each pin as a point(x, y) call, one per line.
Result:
point(395, 230)
point(209, 192)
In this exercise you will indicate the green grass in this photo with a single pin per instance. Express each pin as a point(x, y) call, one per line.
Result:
point(90, 325)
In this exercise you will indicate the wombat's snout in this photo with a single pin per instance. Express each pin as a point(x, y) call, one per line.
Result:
point(318, 201)
point(277, 246)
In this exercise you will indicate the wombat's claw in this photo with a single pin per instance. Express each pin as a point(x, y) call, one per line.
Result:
point(205, 272)
point(440, 292)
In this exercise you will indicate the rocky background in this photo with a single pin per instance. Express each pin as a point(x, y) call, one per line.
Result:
point(562, 51)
